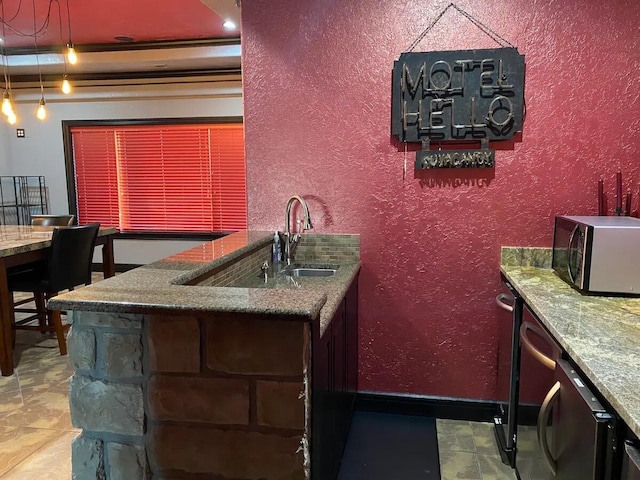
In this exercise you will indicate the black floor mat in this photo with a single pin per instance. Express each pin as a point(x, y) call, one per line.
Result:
point(391, 447)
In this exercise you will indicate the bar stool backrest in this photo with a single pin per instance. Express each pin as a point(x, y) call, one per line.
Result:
point(52, 220)
point(71, 256)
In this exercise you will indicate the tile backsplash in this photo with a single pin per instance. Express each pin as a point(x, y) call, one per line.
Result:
point(526, 257)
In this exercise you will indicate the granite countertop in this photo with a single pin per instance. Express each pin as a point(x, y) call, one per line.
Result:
point(160, 286)
point(335, 287)
point(601, 334)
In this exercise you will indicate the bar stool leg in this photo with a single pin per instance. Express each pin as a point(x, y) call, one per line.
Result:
point(41, 308)
point(13, 321)
point(56, 320)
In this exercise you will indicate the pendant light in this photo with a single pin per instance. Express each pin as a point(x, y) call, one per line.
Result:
point(7, 104)
point(72, 56)
point(7, 108)
point(41, 113)
point(66, 85)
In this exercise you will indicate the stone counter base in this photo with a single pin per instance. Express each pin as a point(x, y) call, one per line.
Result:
point(222, 396)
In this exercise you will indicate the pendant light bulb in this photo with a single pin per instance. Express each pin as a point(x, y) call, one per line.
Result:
point(42, 110)
point(7, 108)
point(72, 57)
point(12, 118)
point(66, 86)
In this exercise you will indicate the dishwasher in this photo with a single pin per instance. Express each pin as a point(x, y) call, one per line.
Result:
point(576, 435)
point(507, 372)
point(526, 361)
point(631, 462)
point(539, 354)
point(549, 426)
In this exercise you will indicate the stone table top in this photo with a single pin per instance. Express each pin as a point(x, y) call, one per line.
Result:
point(601, 334)
point(16, 239)
point(160, 286)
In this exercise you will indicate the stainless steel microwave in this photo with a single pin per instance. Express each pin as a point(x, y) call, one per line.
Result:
point(598, 254)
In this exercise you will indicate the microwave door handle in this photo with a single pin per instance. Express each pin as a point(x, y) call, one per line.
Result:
point(531, 348)
point(543, 419)
point(572, 276)
point(501, 301)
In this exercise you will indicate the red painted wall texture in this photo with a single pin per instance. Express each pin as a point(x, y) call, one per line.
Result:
point(317, 83)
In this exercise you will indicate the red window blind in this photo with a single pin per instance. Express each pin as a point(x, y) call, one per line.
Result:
point(169, 178)
point(96, 176)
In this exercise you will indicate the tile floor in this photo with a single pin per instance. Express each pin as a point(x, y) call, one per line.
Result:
point(468, 451)
point(35, 427)
point(36, 431)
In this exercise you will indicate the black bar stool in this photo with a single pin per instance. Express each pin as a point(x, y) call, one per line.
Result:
point(68, 265)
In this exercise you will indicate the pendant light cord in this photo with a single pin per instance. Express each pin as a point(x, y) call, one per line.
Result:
point(37, 31)
point(64, 57)
point(35, 42)
point(5, 58)
point(68, 20)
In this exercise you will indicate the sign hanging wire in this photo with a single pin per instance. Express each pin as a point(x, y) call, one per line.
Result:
point(490, 33)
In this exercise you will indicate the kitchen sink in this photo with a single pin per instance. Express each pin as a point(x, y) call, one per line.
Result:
point(311, 271)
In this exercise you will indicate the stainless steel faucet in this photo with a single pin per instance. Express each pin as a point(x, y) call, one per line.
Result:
point(290, 242)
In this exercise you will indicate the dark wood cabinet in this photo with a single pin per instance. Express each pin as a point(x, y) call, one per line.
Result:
point(334, 387)
point(352, 343)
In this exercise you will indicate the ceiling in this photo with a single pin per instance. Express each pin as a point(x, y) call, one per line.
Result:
point(120, 37)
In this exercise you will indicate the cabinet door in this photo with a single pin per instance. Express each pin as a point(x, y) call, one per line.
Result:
point(341, 407)
point(352, 340)
point(339, 351)
point(324, 461)
point(335, 381)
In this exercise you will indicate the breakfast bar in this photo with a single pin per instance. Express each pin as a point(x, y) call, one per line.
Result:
point(204, 364)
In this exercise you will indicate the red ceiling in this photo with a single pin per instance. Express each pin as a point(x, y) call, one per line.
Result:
point(100, 21)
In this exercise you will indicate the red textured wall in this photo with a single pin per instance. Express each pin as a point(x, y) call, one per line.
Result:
point(317, 81)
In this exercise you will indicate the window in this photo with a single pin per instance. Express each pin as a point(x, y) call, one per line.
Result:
point(161, 178)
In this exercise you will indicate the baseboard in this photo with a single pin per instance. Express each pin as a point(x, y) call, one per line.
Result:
point(420, 405)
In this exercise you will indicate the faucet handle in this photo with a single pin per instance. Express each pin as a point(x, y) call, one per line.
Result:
point(265, 270)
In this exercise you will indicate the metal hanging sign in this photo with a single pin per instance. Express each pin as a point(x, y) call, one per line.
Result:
point(457, 97)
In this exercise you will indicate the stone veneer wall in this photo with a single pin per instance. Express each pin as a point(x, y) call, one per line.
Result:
point(178, 397)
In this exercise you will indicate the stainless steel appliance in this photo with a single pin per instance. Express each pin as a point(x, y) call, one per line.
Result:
point(630, 462)
point(550, 427)
point(538, 356)
point(598, 254)
point(508, 368)
point(526, 360)
point(576, 435)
